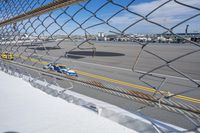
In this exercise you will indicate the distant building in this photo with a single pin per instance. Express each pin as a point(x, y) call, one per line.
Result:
point(100, 36)
point(111, 38)
point(160, 38)
point(180, 37)
point(14, 36)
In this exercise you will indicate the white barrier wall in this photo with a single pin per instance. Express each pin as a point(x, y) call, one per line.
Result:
point(133, 121)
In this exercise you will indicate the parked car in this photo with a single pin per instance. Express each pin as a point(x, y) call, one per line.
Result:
point(7, 56)
point(61, 68)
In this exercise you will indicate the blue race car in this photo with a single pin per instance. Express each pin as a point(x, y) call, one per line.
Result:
point(61, 68)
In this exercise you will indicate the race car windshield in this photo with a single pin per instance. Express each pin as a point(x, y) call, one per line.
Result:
point(62, 67)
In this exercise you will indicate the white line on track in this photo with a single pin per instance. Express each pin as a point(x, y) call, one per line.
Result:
point(125, 69)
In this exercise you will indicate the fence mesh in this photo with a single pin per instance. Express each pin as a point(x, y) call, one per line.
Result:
point(152, 43)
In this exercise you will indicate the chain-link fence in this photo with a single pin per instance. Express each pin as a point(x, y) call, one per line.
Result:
point(145, 51)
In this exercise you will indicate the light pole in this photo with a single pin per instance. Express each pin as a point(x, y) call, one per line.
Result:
point(186, 29)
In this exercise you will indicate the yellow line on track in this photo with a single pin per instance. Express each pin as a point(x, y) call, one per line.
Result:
point(194, 100)
point(115, 81)
point(135, 86)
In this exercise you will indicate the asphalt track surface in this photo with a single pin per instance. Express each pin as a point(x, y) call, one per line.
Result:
point(113, 62)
